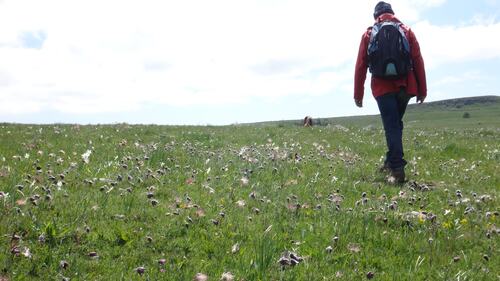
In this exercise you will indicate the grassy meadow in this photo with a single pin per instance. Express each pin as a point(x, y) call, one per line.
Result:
point(251, 202)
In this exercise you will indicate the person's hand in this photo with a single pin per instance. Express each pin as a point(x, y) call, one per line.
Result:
point(420, 99)
point(359, 103)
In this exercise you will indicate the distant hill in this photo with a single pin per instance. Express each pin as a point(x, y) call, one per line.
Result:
point(481, 111)
point(459, 103)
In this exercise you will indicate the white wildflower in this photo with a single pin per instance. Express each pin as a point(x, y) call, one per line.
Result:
point(200, 277)
point(244, 181)
point(227, 276)
point(27, 252)
point(86, 155)
point(235, 248)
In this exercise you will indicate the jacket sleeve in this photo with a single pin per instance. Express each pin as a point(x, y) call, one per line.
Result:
point(361, 67)
point(418, 64)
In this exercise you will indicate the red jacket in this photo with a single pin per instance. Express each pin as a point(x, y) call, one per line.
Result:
point(414, 83)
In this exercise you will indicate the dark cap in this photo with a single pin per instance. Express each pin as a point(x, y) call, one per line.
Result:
point(381, 8)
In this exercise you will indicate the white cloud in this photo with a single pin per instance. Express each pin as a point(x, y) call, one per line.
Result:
point(426, 3)
point(216, 52)
point(110, 56)
point(410, 10)
point(451, 44)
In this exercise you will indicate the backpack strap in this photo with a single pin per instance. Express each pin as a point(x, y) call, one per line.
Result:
point(406, 43)
point(372, 46)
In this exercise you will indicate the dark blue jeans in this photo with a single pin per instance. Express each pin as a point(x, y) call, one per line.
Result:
point(392, 108)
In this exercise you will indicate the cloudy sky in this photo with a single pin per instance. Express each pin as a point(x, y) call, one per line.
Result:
point(222, 61)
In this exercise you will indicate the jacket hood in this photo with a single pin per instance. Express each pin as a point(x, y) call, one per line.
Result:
point(387, 17)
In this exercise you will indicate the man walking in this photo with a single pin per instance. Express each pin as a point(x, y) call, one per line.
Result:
point(392, 53)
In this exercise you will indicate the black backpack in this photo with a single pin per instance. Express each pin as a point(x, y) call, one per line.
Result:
point(389, 51)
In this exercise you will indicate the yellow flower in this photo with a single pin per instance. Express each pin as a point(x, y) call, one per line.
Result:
point(421, 219)
point(447, 225)
point(463, 221)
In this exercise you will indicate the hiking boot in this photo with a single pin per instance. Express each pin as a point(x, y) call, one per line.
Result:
point(398, 175)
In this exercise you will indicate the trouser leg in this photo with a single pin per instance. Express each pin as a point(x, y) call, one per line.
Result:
point(402, 98)
point(392, 107)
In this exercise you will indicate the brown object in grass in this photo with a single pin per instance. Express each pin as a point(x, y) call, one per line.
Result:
point(308, 121)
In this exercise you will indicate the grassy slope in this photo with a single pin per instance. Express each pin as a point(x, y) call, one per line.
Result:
point(115, 218)
point(484, 112)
